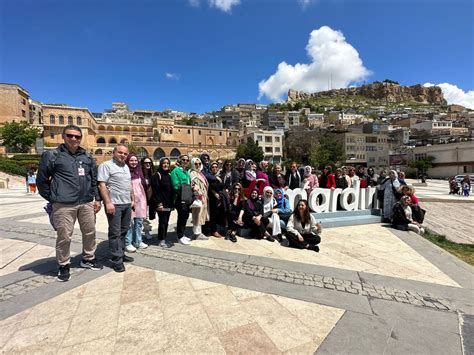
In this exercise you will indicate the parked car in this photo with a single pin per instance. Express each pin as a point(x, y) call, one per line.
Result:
point(460, 178)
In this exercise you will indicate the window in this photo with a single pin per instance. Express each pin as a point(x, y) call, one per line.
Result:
point(259, 138)
point(52, 119)
point(23, 113)
point(189, 131)
point(51, 135)
point(61, 119)
point(199, 132)
point(277, 139)
point(23, 101)
point(268, 150)
point(220, 134)
point(277, 149)
point(79, 121)
point(70, 120)
point(268, 139)
point(171, 131)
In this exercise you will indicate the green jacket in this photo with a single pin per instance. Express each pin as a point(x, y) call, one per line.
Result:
point(179, 177)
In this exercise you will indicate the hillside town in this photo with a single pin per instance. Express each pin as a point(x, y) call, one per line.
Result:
point(389, 126)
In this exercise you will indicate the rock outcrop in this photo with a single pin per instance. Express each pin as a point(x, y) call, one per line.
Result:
point(384, 92)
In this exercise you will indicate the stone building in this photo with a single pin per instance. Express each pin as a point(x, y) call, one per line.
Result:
point(152, 133)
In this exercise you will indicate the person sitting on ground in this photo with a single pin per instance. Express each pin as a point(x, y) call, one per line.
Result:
point(236, 212)
point(270, 211)
point(403, 218)
point(283, 207)
point(253, 217)
point(409, 190)
point(303, 232)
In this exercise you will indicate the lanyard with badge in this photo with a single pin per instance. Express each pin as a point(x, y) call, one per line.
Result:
point(80, 170)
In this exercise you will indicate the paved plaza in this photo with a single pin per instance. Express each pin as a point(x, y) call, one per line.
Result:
point(370, 290)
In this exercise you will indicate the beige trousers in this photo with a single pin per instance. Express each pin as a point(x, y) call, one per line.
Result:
point(64, 218)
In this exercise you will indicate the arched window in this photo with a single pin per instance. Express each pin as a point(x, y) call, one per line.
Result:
point(98, 152)
point(100, 140)
point(175, 153)
point(142, 153)
point(70, 120)
point(112, 140)
point(158, 154)
point(61, 119)
point(52, 119)
point(124, 141)
point(79, 121)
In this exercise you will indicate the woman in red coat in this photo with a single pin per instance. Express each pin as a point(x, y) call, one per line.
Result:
point(327, 179)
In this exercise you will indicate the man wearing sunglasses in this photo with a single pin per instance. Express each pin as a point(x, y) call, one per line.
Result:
point(67, 178)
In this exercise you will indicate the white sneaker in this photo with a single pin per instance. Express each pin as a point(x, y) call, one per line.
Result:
point(130, 248)
point(202, 237)
point(142, 246)
point(185, 241)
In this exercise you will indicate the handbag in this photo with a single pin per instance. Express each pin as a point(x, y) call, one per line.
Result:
point(196, 204)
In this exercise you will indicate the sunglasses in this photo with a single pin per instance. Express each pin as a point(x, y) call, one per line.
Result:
point(236, 188)
point(147, 162)
point(197, 164)
point(73, 136)
point(184, 159)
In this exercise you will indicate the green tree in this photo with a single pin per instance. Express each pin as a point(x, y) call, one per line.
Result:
point(18, 137)
point(250, 150)
point(422, 165)
point(328, 151)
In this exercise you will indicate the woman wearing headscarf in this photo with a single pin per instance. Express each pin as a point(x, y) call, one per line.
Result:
point(390, 187)
point(250, 175)
point(229, 176)
point(253, 217)
point(262, 177)
point(200, 186)
point(240, 169)
point(270, 211)
point(148, 170)
point(133, 239)
point(310, 181)
point(163, 200)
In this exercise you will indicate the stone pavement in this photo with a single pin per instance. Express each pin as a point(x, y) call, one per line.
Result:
point(370, 290)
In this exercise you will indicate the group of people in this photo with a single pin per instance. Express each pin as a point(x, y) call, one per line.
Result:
point(458, 188)
point(223, 198)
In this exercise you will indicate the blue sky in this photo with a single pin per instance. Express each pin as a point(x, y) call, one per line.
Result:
point(198, 55)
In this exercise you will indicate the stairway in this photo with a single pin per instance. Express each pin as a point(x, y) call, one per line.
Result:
point(348, 218)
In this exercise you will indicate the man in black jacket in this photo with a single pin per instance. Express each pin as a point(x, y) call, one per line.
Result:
point(67, 178)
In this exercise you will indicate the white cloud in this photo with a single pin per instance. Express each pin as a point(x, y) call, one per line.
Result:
point(455, 95)
point(194, 3)
point(172, 76)
point(333, 61)
point(224, 5)
point(305, 3)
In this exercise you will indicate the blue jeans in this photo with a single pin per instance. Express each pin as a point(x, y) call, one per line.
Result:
point(134, 233)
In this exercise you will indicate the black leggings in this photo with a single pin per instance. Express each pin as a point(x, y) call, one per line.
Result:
point(163, 219)
point(309, 238)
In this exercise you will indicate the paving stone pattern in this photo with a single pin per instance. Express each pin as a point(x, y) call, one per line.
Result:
point(24, 286)
point(307, 279)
